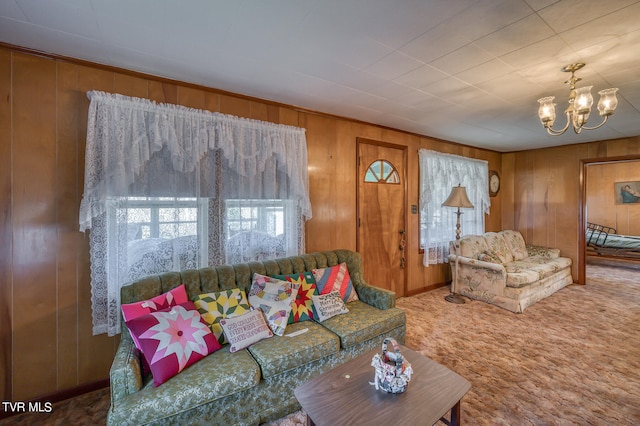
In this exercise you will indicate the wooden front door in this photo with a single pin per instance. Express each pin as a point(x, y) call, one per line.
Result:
point(381, 214)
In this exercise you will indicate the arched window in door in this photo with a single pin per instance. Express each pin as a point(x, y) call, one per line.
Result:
point(382, 171)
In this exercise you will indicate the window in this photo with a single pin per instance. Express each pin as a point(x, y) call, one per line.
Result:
point(157, 234)
point(157, 181)
point(439, 173)
point(259, 230)
point(161, 217)
point(381, 171)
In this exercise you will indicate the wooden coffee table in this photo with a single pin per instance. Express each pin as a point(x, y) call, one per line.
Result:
point(343, 396)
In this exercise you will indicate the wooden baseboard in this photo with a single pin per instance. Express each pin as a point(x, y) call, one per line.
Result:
point(427, 288)
point(62, 395)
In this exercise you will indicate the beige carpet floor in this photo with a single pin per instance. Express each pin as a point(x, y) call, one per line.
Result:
point(571, 359)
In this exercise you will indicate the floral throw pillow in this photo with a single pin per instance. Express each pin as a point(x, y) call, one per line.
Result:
point(275, 299)
point(487, 256)
point(302, 309)
point(222, 304)
point(173, 339)
point(329, 305)
point(335, 278)
point(245, 330)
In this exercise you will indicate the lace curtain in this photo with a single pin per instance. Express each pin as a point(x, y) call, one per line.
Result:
point(171, 188)
point(438, 174)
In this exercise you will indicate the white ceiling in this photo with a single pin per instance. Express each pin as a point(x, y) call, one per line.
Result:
point(466, 71)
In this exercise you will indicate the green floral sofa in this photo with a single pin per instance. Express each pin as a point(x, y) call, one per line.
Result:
point(254, 385)
point(499, 268)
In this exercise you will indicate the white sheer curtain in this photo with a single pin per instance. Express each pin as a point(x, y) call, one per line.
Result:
point(439, 173)
point(171, 188)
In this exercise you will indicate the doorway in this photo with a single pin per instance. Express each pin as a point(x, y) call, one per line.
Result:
point(381, 213)
point(603, 197)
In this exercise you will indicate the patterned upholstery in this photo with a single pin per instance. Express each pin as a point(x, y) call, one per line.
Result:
point(363, 322)
point(280, 354)
point(254, 385)
point(499, 268)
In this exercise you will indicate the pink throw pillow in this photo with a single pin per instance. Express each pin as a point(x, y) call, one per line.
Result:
point(173, 339)
point(176, 296)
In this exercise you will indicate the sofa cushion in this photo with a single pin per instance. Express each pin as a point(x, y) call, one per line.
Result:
point(218, 375)
point(335, 278)
point(532, 269)
point(280, 354)
point(516, 244)
point(173, 339)
point(472, 245)
point(221, 304)
point(364, 322)
point(302, 309)
point(245, 330)
point(497, 245)
point(275, 298)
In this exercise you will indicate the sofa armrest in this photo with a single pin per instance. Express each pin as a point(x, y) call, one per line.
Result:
point(477, 277)
point(125, 374)
point(497, 267)
point(377, 297)
point(550, 253)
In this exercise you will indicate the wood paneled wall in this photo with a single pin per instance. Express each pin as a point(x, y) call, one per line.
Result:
point(46, 340)
point(542, 192)
point(601, 207)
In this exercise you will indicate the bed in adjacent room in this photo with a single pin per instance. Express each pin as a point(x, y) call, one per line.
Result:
point(605, 241)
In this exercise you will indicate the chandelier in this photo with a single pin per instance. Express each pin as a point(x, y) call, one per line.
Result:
point(580, 101)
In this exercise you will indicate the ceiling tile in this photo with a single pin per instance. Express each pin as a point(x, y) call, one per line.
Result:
point(516, 36)
point(567, 14)
point(462, 59)
point(10, 9)
point(393, 66)
point(604, 28)
point(487, 71)
point(553, 49)
point(421, 77)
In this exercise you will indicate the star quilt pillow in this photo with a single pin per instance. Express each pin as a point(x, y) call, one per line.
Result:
point(335, 278)
point(166, 300)
point(219, 305)
point(302, 309)
point(275, 299)
point(173, 339)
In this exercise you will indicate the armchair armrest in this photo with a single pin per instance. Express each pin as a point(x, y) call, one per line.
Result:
point(550, 253)
point(125, 374)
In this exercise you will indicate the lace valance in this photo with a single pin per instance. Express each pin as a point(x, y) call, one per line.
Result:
point(124, 134)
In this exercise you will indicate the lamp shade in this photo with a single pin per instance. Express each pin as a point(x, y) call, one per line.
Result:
point(608, 101)
point(458, 198)
point(547, 111)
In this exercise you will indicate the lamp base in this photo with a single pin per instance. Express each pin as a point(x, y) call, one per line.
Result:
point(454, 298)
